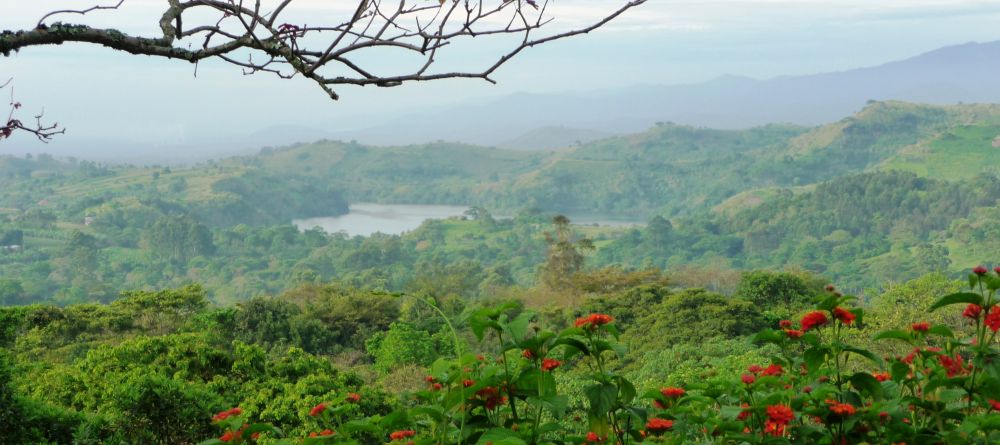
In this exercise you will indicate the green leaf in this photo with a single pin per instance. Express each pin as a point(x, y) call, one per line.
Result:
point(895, 334)
point(942, 330)
point(957, 298)
point(864, 353)
point(518, 327)
point(500, 436)
point(899, 371)
point(814, 358)
point(866, 383)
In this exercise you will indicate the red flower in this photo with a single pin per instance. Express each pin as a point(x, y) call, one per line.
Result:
point(429, 379)
point(549, 364)
point(923, 326)
point(592, 437)
point(813, 320)
point(229, 435)
point(952, 366)
point(748, 379)
point(979, 270)
point(881, 376)
point(992, 319)
point(845, 316)
point(397, 435)
point(972, 311)
point(672, 392)
point(528, 354)
point(317, 410)
point(995, 404)
point(774, 428)
point(353, 397)
point(756, 369)
point(780, 413)
point(743, 415)
point(793, 333)
point(592, 321)
point(227, 413)
point(467, 383)
point(774, 370)
point(437, 386)
point(785, 324)
point(841, 409)
point(830, 288)
point(657, 425)
point(778, 416)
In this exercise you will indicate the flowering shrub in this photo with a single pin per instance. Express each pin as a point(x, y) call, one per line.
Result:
point(817, 389)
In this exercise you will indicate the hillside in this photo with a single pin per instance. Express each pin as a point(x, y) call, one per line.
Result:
point(668, 169)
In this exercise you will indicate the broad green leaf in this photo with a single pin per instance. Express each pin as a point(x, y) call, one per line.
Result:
point(957, 298)
point(895, 334)
point(866, 383)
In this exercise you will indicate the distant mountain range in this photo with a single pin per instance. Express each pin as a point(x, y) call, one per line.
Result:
point(962, 73)
point(968, 73)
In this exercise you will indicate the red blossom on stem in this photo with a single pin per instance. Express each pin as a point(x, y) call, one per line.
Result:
point(972, 311)
point(227, 413)
point(979, 270)
point(672, 392)
point(317, 410)
point(592, 321)
point(921, 327)
point(403, 434)
point(843, 315)
point(549, 364)
point(814, 319)
point(657, 425)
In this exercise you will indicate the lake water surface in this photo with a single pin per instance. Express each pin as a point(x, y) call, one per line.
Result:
point(366, 218)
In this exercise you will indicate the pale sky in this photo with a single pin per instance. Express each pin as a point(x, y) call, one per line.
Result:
point(99, 94)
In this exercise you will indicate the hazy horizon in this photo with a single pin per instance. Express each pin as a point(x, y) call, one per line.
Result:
point(113, 98)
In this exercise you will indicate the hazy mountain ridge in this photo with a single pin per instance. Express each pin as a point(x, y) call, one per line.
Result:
point(961, 73)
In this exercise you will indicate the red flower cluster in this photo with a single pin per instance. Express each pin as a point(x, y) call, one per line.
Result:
point(748, 379)
point(814, 319)
point(972, 311)
point(324, 433)
point(995, 404)
point(528, 354)
point(773, 370)
point(549, 364)
point(399, 435)
point(881, 376)
point(592, 437)
point(672, 392)
point(317, 410)
point(841, 409)
point(353, 397)
point(657, 425)
point(979, 270)
point(777, 417)
point(953, 366)
point(992, 319)
point(230, 436)
point(592, 321)
point(227, 413)
point(845, 316)
point(491, 397)
point(467, 383)
point(785, 324)
point(793, 333)
point(921, 327)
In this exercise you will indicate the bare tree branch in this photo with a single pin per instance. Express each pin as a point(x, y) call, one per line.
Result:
point(41, 131)
point(251, 35)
